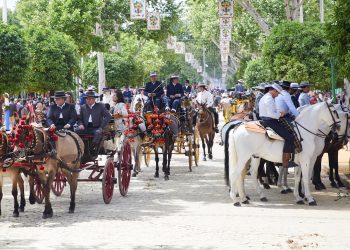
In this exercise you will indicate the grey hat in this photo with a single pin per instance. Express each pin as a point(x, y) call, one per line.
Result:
point(304, 84)
point(294, 85)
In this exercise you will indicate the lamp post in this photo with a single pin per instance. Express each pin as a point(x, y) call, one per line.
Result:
point(333, 62)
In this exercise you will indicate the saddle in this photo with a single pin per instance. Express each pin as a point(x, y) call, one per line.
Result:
point(257, 127)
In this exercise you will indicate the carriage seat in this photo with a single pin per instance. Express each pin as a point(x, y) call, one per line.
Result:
point(259, 127)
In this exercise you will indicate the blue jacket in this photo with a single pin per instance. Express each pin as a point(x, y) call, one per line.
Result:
point(187, 89)
point(82, 99)
point(154, 88)
point(127, 94)
point(172, 89)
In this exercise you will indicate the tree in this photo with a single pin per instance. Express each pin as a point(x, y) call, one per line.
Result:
point(53, 60)
point(256, 72)
point(32, 12)
point(13, 58)
point(338, 33)
point(296, 52)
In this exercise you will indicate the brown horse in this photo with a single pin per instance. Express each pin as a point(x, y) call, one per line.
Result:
point(49, 152)
point(205, 126)
point(14, 174)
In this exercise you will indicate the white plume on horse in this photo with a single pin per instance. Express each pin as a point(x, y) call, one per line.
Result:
point(244, 144)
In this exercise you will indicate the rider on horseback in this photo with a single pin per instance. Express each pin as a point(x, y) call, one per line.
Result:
point(174, 92)
point(154, 90)
point(270, 116)
point(204, 96)
point(284, 102)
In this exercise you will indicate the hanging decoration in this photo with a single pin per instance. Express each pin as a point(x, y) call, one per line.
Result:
point(224, 58)
point(225, 34)
point(225, 8)
point(225, 22)
point(138, 9)
point(153, 20)
point(171, 42)
point(180, 48)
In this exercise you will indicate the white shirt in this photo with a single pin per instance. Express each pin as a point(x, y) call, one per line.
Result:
point(267, 107)
point(284, 104)
point(61, 107)
point(205, 97)
point(90, 118)
point(120, 108)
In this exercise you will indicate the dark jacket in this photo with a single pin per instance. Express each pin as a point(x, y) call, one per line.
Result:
point(295, 101)
point(12, 108)
point(187, 89)
point(127, 94)
point(154, 88)
point(99, 115)
point(172, 89)
point(68, 112)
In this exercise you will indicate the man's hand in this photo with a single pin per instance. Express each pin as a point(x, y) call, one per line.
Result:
point(153, 94)
point(81, 127)
point(53, 126)
point(67, 126)
point(117, 116)
point(149, 94)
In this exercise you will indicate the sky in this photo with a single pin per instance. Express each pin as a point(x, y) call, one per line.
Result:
point(10, 4)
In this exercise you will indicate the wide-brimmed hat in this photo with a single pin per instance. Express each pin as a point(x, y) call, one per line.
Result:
point(304, 84)
point(59, 94)
point(294, 85)
point(91, 88)
point(285, 84)
point(153, 74)
point(202, 85)
point(276, 87)
point(260, 86)
point(92, 94)
point(173, 76)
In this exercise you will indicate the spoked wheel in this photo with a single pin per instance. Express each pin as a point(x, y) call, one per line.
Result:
point(147, 155)
point(58, 184)
point(38, 190)
point(196, 147)
point(108, 180)
point(125, 167)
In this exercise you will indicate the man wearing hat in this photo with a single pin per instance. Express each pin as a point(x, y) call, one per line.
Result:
point(269, 114)
point(127, 94)
point(293, 91)
point(154, 90)
point(304, 98)
point(174, 92)
point(94, 117)
point(61, 115)
point(204, 96)
point(239, 86)
point(284, 102)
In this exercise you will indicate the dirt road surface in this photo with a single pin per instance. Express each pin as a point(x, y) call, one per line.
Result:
point(190, 211)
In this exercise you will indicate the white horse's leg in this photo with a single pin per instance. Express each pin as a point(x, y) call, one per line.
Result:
point(306, 171)
point(254, 166)
point(280, 172)
point(297, 177)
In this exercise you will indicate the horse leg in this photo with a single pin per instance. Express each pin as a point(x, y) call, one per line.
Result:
point(21, 189)
point(1, 182)
point(31, 189)
point(156, 174)
point(14, 178)
point(203, 146)
point(211, 144)
point(46, 182)
point(255, 166)
point(136, 168)
point(165, 161)
point(297, 178)
point(336, 169)
point(316, 179)
point(235, 181)
point(332, 167)
point(261, 174)
point(306, 169)
point(73, 183)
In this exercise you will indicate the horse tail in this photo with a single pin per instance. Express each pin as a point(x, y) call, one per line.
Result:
point(227, 155)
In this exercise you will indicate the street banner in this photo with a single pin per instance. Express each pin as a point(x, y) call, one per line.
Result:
point(171, 42)
point(199, 69)
point(138, 9)
point(180, 48)
point(188, 57)
point(225, 34)
point(225, 22)
point(225, 8)
point(153, 21)
point(224, 58)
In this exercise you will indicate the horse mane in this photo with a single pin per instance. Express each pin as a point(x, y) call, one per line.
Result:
point(304, 110)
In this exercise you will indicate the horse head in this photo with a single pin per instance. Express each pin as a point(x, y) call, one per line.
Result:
point(331, 118)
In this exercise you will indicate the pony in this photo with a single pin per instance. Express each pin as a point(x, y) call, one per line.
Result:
point(205, 126)
point(313, 122)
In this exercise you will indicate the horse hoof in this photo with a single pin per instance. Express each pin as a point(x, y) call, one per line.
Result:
point(245, 202)
point(71, 211)
point(166, 177)
point(248, 198)
point(312, 203)
point(318, 187)
point(301, 202)
point(340, 184)
point(31, 199)
point(334, 185)
point(266, 186)
point(156, 175)
point(284, 191)
point(21, 209)
point(210, 157)
point(15, 214)
point(302, 195)
point(289, 190)
point(237, 204)
point(134, 174)
point(204, 159)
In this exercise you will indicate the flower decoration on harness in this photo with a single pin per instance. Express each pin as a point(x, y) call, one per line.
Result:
point(22, 136)
point(131, 125)
point(158, 124)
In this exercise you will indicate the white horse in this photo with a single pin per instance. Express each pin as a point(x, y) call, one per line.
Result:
point(244, 145)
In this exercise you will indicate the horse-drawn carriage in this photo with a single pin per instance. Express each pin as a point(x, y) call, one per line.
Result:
point(240, 103)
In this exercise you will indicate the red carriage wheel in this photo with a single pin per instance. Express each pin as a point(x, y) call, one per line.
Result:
point(58, 184)
point(124, 170)
point(38, 190)
point(108, 180)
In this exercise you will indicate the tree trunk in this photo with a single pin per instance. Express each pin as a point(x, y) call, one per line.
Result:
point(322, 11)
point(101, 64)
point(247, 5)
point(4, 11)
point(293, 9)
point(301, 16)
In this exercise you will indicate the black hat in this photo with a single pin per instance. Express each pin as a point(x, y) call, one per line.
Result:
point(285, 84)
point(91, 94)
point(304, 84)
point(105, 89)
point(59, 94)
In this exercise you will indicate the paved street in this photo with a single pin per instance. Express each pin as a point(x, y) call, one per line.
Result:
point(191, 211)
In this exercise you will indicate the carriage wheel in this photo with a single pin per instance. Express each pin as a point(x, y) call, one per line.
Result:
point(124, 171)
point(58, 184)
point(38, 190)
point(190, 153)
point(196, 147)
point(147, 156)
point(108, 180)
